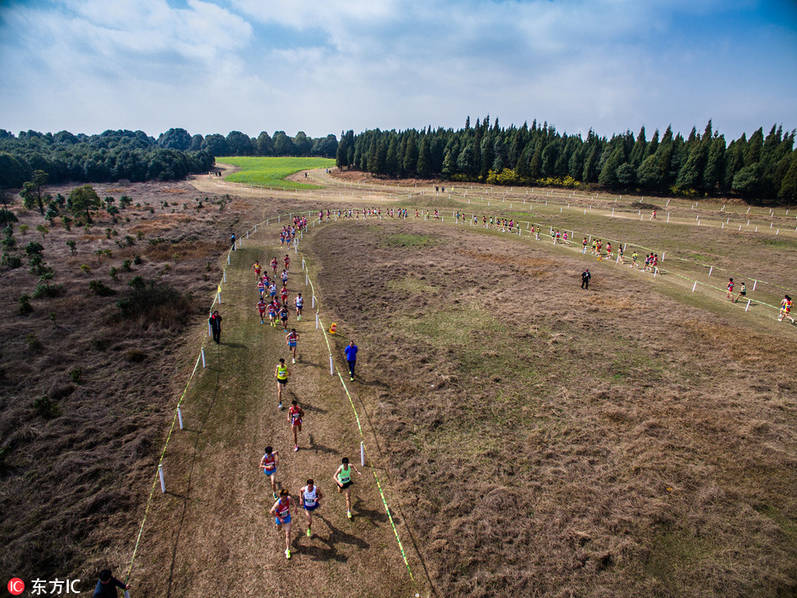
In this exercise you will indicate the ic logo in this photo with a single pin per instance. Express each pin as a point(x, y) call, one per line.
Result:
point(16, 586)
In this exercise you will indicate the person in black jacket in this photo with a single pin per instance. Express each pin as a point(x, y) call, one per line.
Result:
point(215, 326)
point(585, 276)
point(106, 586)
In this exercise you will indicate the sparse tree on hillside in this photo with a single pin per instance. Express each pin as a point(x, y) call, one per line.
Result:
point(82, 200)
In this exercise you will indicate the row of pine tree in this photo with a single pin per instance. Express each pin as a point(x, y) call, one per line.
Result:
point(759, 168)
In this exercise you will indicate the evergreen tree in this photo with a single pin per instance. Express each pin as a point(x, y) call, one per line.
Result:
point(626, 175)
point(264, 145)
point(411, 157)
point(638, 151)
point(715, 165)
point(449, 164)
point(424, 166)
point(752, 153)
point(788, 186)
point(608, 175)
point(392, 157)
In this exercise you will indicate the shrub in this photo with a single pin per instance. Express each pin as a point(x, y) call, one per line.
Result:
point(24, 228)
point(24, 305)
point(11, 261)
point(86, 268)
point(114, 272)
point(75, 374)
point(129, 240)
point(46, 407)
point(100, 289)
point(72, 246)
point(135, 356)
point(155, 301)
point(46, 290)
point(34, 344)
point(126, 266)
point(136, 259)
point(7, 217)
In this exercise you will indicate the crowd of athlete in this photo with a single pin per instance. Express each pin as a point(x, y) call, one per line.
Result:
point(275, 304)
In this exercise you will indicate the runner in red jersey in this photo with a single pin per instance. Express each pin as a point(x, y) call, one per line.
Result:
point(729, 294)
point(261, 309)
point(274, 266)
point(269, 464)
point(282, 517)
point(292, 338)
point(295, 415)
point(256, 267)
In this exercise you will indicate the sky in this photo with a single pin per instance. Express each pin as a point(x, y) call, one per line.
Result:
point(212, 66)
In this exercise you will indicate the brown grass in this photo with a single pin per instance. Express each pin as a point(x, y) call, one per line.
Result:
point(554, 442)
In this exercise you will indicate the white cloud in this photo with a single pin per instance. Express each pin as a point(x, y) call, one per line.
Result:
point(607, 64)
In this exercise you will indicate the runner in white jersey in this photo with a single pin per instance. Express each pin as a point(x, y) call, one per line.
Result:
point(299, 301)
point(309, 497)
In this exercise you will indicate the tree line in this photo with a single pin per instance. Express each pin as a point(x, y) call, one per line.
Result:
point(136, 156)
point(759, 167)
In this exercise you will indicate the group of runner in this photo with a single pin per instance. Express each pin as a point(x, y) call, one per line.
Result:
point(309, 496)
point(270, 301)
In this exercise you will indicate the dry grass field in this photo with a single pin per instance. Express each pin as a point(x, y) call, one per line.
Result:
point(533, 439)
point(550, 441)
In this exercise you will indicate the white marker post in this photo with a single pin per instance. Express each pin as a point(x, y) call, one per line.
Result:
point(180, 418)
point(755, 284)
point(362, 454)
point(228, 259)
point(316, 320)
point(313, 305)
point(210, 330)
point(694, 286)
point(202, 351)
point(160, 475)
point(224, 277)
point(710, 270)
point(746, 307)
point(331, 371)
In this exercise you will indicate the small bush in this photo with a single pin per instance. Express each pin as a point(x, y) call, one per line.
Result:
point(45, 290)
point(24, 305)
point(114, 273)
point(129, 240)
point(72, 246)
point(86, 268)
point(135, 356)
point(46, 407)
point(23, 229)
point(157, 302)
point(136, 259)
point(126, 266)
point(75, 374)
point(100, 289)
point(7, 217)
point(11, 261)
point(34, 344)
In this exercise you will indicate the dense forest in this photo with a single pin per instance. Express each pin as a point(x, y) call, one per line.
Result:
point(135, 156)
point(761, 167)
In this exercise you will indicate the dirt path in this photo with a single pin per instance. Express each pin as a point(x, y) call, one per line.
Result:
point(211, 534)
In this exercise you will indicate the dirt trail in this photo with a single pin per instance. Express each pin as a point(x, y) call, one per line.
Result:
point(211, 535)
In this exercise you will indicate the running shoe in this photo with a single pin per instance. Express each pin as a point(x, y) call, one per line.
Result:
point(287, 553)
point(295, 448)
point(348, 514)
point(279, 406)
point(309, 533)
point(351, 378)
point(293, 360)
point(274, 494)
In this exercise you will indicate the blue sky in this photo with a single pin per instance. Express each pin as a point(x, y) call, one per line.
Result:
point(251, 65)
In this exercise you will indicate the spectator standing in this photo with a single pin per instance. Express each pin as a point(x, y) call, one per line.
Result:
point(351, 358)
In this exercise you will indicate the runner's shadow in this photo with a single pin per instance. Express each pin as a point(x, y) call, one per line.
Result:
point(338, 536)
point(235, 345)
point(314, 446)
point(318, 553)
point(370, 514)
point(310, 407)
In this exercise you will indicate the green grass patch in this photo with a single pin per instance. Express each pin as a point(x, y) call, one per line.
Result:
point(672, 553)
point(412, 286)
point(408, 240)
point(272, 172)
point(780, 243)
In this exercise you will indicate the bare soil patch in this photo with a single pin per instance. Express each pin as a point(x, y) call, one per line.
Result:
point(549, 441)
